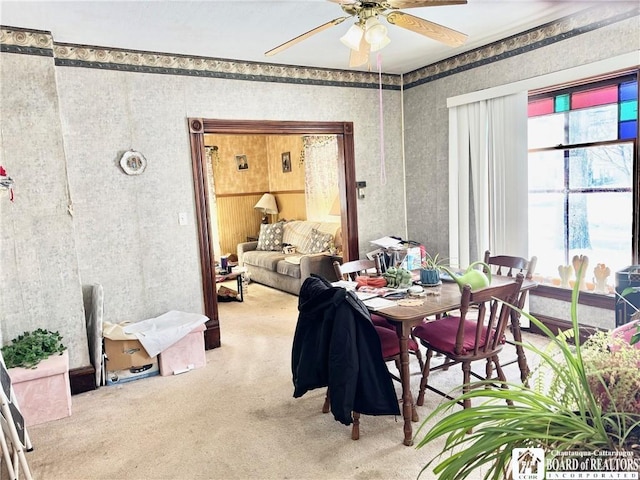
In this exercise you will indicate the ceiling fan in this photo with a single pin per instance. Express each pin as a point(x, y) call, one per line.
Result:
point(369, 35)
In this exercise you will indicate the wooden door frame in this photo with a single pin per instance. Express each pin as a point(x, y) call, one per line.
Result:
point(198, 127)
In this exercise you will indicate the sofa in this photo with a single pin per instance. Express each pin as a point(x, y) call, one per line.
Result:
point(308, 246)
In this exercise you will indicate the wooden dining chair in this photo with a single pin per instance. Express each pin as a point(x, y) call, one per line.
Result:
point(462, 340)
point(350, 271)
point(386, 331)
point(510, 266)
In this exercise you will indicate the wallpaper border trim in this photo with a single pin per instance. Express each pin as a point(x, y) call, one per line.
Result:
point(26, 42)
point(307, 77)
point(36, 42)
point(562, 29)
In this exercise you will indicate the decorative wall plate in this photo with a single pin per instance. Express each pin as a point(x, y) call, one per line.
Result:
point(133, 163)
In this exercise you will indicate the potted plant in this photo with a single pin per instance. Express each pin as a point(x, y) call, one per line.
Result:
point(28, 349)
point(430, 269)
point(563, 411)
point(38, 365)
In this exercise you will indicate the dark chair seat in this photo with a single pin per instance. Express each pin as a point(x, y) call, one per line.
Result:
point(389, 342)
point(464, 341)
point(442, 335)
point(385, 329)
point(380, 321)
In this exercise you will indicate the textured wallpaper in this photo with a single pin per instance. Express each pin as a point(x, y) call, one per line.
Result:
point(124, 232)
point(70, 112)
point(39, 271)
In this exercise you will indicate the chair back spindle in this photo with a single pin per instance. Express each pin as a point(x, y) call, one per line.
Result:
point(491, 299)
point(466, 340)
point(350, 270)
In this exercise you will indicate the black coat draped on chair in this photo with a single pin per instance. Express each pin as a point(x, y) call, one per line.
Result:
point(336, 346)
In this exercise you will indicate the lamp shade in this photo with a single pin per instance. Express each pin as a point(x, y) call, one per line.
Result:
point(353, 36)
point(374, 31)
point(267, 204)
point(381, 44)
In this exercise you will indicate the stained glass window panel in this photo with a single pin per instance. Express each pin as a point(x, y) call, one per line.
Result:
point(628, 129)
point(591, 98)
point(562, 103)
point(540, 107)
point(629, 110)
point(628, 91)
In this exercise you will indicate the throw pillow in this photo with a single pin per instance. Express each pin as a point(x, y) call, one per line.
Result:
point(270, 237)
point(318, 242)
point(297, 233)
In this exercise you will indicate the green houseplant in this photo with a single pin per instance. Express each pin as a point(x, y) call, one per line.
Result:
point(565, 413)
point(430, 269)
point(28, 349)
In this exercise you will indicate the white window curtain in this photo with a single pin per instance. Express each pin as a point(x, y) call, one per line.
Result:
point(488, 179)
point(321, 175)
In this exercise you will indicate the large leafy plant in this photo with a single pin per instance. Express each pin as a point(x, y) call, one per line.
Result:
point(28, 349)
point(559, 414)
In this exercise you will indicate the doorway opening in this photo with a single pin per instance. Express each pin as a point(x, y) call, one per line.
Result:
point(198, 127)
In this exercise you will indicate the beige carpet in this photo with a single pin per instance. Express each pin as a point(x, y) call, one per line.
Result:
point(233, 419)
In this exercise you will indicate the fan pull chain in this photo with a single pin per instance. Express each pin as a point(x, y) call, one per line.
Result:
point(383, 169)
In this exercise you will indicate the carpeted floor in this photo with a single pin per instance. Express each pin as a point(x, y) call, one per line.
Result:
point(233, 419)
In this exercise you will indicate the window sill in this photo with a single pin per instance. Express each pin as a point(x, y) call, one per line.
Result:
point(607, 302)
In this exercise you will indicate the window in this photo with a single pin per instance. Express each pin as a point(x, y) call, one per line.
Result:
point(583, 156)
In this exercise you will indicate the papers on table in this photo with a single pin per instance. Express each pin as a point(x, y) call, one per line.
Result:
point(387, 242)
point(378, 303)
point(365, 295)
point(346, 284)
point(383, 291)
point(371, 296)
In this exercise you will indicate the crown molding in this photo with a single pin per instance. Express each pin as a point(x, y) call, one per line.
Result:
point(35, 42)
point(585, 21)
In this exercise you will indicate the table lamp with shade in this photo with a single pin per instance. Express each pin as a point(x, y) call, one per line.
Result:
point(268, 205)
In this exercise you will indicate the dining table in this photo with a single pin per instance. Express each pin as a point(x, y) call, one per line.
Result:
point(439, 299)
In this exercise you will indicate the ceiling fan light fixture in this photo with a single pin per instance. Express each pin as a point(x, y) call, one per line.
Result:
point(374, 31)
point(383, 43)
point(353, 36)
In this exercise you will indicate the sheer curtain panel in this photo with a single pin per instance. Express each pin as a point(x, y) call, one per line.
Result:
point(488, 178)
point(321, 175)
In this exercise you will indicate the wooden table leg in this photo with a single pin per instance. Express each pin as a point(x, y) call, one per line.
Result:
point(407, 407)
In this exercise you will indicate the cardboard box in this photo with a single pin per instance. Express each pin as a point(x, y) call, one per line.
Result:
point(133, 373)
point(184, 355)
point(124, 354)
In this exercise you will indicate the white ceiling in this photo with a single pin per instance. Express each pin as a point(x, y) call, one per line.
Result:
point(244, 30)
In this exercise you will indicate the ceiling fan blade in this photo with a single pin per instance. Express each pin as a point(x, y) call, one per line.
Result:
point(422, 3)
point(304, 36)
point(429, 29)
point(360, 56)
